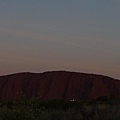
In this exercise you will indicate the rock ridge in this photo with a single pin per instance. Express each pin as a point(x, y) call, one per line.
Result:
point(57, 85)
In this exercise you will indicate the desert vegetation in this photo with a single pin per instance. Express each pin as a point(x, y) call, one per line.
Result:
point(103, 108)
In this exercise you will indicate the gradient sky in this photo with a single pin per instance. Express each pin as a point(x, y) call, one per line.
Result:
point(73, 35)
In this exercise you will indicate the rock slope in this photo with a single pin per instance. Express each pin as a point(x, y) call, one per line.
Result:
point(57, 85)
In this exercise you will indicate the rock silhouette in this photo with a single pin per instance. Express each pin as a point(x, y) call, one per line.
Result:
point(57, 85)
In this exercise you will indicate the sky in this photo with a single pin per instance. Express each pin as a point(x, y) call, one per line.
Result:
point(50, 35)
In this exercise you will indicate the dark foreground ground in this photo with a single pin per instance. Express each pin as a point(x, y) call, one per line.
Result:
point(35, 109)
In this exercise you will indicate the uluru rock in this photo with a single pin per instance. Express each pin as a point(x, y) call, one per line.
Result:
point(57, 85)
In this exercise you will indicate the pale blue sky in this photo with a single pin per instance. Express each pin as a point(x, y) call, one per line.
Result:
point(75, 35)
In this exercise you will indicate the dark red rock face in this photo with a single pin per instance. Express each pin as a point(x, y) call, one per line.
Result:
point(57, 85)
